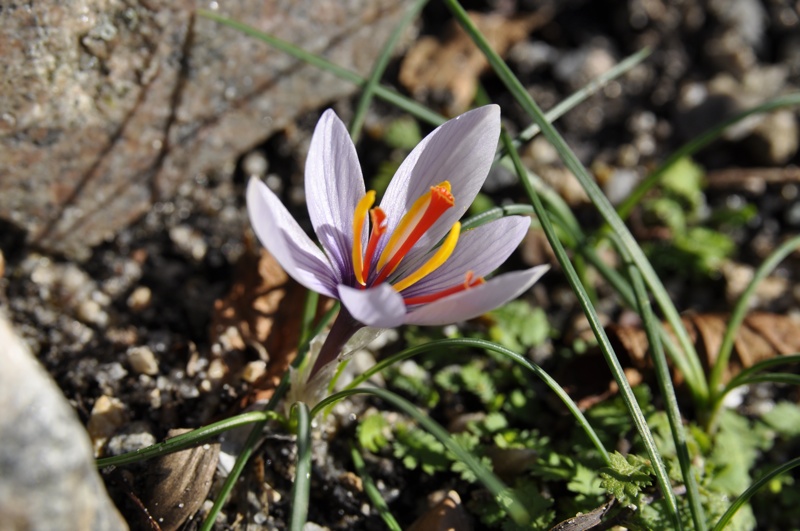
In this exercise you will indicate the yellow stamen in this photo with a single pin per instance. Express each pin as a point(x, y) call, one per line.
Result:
point(419, 218)
point(439, 258)
point(359, 217)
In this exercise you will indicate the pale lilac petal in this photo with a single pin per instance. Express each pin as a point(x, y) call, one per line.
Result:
point(282, 236)
point(334, 185)
point(480, 250)
point(380, 306)
point(476, 301)
point(460, 151)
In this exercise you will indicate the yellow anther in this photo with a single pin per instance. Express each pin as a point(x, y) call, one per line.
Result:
point(359, 217)
point(419, 218)
point(439, 258)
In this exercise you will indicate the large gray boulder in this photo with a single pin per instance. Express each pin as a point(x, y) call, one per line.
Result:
point(108, 106)
point(48, 479)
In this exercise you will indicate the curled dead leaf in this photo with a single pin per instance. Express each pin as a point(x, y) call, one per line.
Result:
point(179, 483)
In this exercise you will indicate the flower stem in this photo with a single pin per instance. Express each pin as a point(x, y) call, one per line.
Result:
point(342, 330)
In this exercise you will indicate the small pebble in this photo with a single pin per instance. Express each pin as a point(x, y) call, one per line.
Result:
point(108, 375)
point(254, 370)
point(189, 241)
point(216, 370)
point(139, 298)
point(137, 436)
point(89, 311)
point(108, 415)
point(143, 360)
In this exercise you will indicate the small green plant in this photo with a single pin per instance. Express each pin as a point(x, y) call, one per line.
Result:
point(680, 208)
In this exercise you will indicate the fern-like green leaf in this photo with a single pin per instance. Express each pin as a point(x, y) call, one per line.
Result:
point(626, 477)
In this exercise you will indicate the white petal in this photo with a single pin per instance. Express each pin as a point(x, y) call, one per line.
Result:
point(459, 151)
point(476, 301)
point(334, 185)
point(480, 250)
point(380, 306)
point(282, 236)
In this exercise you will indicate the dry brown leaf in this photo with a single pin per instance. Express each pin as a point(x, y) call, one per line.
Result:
point(585, 521)
point(263, 311)
point(179, 483)
point(761, 336)
point(447, 71)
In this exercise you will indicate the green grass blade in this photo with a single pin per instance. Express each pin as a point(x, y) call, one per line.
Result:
point(189, 439)
point(309, 312)
point(772, 377)
point(695, 145)
point(667, 390)
point(579, 96)
point(301, 489)
point(380, 66)
point(593, 191)
point(761, 366)
point(277, 396)
point(495, 213)
point(578, 243)
point(440, 344)
point(485, 476)
point(372, 492)
point(386, 94)
point(602, 339)
point(752, 489)
point(740, 311)
point(623, 288)
point(233, 476)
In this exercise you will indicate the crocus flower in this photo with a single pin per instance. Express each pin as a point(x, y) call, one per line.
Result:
point(405, 261)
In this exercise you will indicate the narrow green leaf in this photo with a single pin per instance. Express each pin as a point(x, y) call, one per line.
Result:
point(386, 94)
point(751, 490)
point(695, 378)
point(372, 492)
point(602, 338)
point(189, 439)
point(698, 143)
point(740, 312)
point(380, 66)
point(301, 489)
point(761, 366)
point(667, 390)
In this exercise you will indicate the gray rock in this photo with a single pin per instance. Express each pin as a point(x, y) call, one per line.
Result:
point(702, 105)
point(47, 474)
point(110, 106)
point(775, 139)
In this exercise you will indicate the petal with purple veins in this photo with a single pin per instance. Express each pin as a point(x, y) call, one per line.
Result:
point(460, 151)
point(380, 306)
point(476, 301)
point(480, 250)
point(334, 185)
point(282, 236)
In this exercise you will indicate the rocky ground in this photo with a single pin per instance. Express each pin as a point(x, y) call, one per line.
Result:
point(132, 316)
